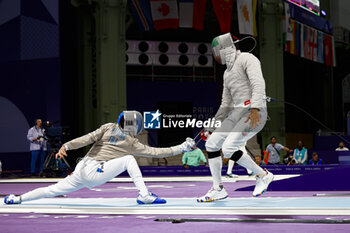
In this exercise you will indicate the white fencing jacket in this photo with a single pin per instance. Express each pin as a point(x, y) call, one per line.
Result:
point(243, 83)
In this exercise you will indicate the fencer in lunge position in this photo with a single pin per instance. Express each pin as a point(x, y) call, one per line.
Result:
point(242, 113)
point(113, 150)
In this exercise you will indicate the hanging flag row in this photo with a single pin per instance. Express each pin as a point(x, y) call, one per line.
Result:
point(166, 14)
point(310, 43)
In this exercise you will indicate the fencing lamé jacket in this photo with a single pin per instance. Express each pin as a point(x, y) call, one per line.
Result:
point(243, 83)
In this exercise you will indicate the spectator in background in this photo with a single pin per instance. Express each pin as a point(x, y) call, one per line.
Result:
point(266, 155)
point(38, 146)
point(289, 159)
point(300, 154)
point(193, 158)
point(342, 147)
point(273, 151)
point(315, 160)
point(259, 161)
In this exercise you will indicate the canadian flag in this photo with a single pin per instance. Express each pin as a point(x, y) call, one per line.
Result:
point(164, 14)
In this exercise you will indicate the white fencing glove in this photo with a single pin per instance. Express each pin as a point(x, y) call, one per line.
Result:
point(186, 146)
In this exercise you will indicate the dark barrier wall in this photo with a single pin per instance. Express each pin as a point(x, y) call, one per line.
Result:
point(29, 73)
point(330, 142)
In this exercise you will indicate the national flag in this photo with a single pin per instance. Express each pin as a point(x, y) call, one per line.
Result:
point(164, 14)
point(291, 45)
point(305, 46)
point(255, 30)
point(287, 26)
point(320, 45)
point(141, 12)
point(313, 43)
point(328, 50)
point(192, 13)
point(301, 40)
point(223, 11)
point(297, 38)
point(245, 16)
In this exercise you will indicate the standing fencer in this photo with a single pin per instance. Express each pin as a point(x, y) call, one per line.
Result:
point(113, 150)
point(242, 113)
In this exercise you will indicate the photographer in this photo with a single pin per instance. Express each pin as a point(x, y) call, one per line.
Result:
point(38, 145)
point(289, 159)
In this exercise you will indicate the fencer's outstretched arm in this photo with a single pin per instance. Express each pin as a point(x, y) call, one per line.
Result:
point(139, 149)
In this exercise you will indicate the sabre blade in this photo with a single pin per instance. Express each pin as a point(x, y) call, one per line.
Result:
point(197, 135)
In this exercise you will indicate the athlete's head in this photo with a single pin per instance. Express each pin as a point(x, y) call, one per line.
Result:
point(130, 122)
point(225, 49)
point(219, 46)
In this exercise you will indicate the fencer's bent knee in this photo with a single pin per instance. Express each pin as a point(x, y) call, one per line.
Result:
point(237, 155)
point(214, 154)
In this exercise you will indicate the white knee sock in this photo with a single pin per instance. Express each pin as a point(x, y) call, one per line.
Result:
point(230, 166)
point(215, 166)
point(34, 194)
point(135, 174)
point(247, 162)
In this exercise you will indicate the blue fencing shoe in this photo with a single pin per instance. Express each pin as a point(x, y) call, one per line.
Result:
point(151, 198)
point(12, 199)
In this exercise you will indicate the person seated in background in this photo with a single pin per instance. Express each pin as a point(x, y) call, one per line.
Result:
point(259, 161)
point(274, 150)
point(342, 147)
point(193, 158)
point(315, 160)
point(300, 154)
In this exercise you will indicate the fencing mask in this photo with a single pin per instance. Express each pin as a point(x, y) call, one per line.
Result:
point(224, 43)
point(219, 44)
point(130, 122)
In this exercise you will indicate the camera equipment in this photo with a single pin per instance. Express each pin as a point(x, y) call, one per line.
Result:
point(288, 159)
point(54, 167)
